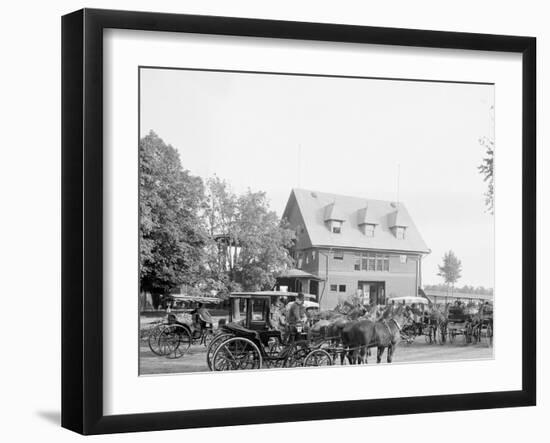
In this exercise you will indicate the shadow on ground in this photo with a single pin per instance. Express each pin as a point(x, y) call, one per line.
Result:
point(53, 417)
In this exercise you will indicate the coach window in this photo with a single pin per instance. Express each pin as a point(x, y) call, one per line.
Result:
point(342, 288)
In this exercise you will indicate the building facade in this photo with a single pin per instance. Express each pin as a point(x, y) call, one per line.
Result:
point(354, 246)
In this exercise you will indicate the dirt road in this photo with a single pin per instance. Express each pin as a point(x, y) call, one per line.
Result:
point(419, 351)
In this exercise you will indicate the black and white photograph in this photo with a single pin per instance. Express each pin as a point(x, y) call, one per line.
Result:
point(291, 221)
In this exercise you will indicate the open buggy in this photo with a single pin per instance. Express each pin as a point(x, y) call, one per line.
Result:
point(460, 323)
point(422, 323)
point(251, 341)
point(174, 335)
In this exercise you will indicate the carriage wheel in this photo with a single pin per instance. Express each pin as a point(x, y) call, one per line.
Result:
point(153, 339)
point(318, 357)
point(235, 354)
point(213, 345)
point(207, 337)
point(296, 357)
point(274, 347)
point(174, 340)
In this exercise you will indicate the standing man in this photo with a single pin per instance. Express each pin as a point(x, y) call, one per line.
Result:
point(296, 315)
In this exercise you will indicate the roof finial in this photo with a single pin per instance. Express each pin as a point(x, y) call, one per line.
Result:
point(299, 164)
point(398, 176)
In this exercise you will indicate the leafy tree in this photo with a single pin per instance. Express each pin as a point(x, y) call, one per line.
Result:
point(451, 269)
point(264, 240)
point(249, 243)
point(486, 169)
point(172, 233)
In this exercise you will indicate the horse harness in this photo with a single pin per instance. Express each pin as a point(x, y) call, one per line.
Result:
point(385, 323)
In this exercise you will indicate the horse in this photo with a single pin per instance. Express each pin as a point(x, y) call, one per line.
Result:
point(331, 323)
point(439, 317)
point(359, 335)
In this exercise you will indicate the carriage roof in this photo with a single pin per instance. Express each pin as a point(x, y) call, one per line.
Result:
point(409, 299)
point(267, 294)
point(196, 298)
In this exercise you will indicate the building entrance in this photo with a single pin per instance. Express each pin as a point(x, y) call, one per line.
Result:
point(374, 292)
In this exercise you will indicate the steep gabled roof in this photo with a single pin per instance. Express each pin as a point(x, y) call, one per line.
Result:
point(313, 206)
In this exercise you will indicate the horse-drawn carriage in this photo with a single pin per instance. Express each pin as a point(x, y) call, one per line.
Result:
point(249, 340)
point(483, 324)
point(460, 323)
point(173, 336)
point(424, 321)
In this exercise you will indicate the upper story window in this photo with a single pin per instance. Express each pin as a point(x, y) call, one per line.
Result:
point(400, 232)
point(372, 262)
point(336, 226)
point(368, 229)
point(338, 255)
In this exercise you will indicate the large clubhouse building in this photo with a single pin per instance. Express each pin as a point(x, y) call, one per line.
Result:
point(353, 246)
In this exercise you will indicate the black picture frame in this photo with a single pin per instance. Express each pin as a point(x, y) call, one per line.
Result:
point(82, 220)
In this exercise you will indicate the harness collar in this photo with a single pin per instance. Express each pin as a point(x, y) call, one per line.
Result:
point(396, 324)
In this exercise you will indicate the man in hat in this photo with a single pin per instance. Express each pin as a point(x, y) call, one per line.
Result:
point(296, 314)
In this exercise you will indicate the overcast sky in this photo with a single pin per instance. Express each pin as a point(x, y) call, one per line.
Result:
point(347, 136)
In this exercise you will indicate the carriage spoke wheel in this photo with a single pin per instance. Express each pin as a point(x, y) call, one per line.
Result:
point(274, 347)
point(318, 357)
point(207, 337)
point(235, 354)
point(296, 357)
point(174, 341)
point(153, 339)
point(213, 345)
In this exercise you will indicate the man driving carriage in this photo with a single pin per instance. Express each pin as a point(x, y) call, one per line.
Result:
point(201, 317)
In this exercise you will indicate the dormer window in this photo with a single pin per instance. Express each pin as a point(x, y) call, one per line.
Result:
point(368, 229)
point(367, 221)
point(398, 222)
point(336, 226)
point(333, 218)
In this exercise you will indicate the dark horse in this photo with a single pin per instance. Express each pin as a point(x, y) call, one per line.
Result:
point(358, 336)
